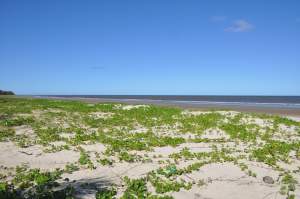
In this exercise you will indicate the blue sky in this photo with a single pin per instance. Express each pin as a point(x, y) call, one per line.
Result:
point(150, 47)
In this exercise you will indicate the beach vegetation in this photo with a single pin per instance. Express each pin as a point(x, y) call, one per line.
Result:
point(136, 134)
point(84, 159)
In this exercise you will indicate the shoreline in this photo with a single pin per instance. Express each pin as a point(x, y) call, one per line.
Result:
point(282, 111)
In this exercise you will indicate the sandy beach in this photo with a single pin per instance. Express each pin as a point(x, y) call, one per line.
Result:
point(283, 111)
point(104, 150)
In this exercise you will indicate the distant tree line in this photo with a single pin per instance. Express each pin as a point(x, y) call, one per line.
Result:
point(6, 92)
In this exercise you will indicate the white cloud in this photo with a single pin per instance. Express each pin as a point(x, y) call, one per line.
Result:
point(218, 18)
point(240, 26)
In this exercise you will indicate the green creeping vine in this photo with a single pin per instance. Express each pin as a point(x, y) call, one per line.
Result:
point(57, 125)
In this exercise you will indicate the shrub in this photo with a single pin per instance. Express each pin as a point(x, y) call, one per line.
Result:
point(106, 194)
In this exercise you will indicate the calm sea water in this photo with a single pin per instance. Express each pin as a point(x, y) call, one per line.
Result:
point(292, 102)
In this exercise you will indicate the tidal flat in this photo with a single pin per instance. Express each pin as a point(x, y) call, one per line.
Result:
point(53, 148)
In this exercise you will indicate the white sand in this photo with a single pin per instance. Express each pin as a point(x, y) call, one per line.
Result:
point(223, 180)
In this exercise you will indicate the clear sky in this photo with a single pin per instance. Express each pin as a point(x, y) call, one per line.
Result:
point(150, 47)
